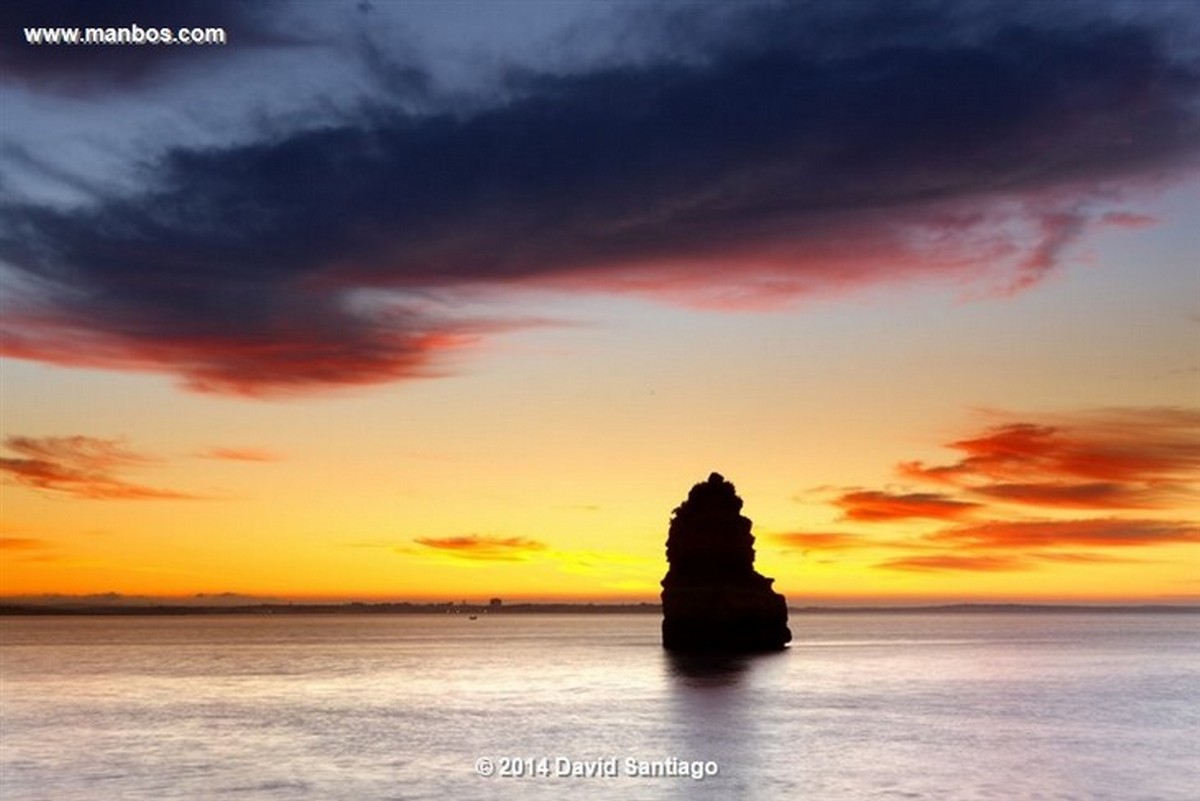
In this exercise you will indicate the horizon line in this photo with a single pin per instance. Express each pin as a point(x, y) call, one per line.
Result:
point(157, 607)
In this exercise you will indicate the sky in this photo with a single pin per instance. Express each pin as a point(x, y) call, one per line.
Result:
point(456, 300)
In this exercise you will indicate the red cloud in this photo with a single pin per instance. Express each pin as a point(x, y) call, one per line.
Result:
point(1131, 458)
point(1100, 461)
point(288, 359)
point(306, 341)
point(1094, 495)
point(996, 561)
point(81, 467)
point(503, 549)
point(875, 506)
point(1106, 533)
point(1003, 247)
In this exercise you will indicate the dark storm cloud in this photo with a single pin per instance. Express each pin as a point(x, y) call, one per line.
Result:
point(770, 151)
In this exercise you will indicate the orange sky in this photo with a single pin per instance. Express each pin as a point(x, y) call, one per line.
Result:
point(530, 502)
point(444, 331)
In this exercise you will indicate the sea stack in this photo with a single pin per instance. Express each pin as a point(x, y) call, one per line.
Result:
point(713, 599)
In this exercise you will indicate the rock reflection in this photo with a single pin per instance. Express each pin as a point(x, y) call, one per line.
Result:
point(716, 670)
point(721, 709)
point(709, 670)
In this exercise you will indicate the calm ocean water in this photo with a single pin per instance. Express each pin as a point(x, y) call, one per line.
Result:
point(896, 706)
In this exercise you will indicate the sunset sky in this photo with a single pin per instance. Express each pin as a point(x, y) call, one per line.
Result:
point(453, 300)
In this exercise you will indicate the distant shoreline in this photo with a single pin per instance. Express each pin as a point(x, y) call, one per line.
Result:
point(478, 610)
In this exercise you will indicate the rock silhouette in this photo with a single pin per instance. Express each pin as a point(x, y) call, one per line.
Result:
point(713, 599)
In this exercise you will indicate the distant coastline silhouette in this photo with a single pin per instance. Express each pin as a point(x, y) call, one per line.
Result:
point(713, 599)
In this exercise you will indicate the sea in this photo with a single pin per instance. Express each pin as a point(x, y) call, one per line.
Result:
point(368, 707)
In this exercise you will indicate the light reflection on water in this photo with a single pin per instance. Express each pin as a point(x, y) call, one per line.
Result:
point(400, 707)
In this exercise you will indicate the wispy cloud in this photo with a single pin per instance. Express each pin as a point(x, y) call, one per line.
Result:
point(725, 156)
point(31, 549)
point(1014, 545)
point(1076, 558)
point(81, 467)
point(611, 569)
point(484, 548)
point(985, 563)
point(1102, 533)
point(1089, 495)
point(875, 506)
point(821, 541)
point(998, 562)
point(240, 454)
point(23, 544)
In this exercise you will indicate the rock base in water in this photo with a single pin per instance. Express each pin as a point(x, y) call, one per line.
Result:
point(713, 599)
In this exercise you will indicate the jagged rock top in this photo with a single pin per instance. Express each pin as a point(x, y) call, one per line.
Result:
point(714, 496)
point(709, 537)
